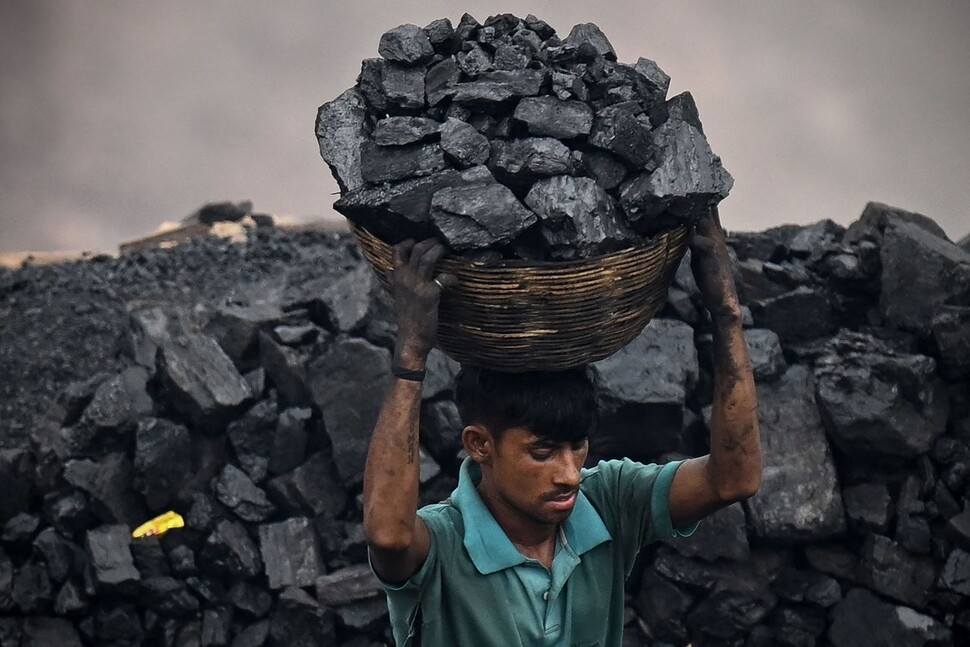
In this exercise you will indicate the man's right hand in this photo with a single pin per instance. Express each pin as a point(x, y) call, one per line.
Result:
point(416, 298)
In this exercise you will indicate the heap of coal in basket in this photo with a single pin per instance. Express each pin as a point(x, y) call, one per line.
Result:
point(505, 141)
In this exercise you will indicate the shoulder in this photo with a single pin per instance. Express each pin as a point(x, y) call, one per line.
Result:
point(614, 473)
point(443, 520)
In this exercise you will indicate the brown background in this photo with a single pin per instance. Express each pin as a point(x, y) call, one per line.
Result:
point(117, 115)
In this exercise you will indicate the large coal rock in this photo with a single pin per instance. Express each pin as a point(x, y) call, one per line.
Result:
point(349, 413)
point(290, 553)
point(109, 548)
point(920, 269)
point(300, 621)
point(641, 391)
point(863, 619)
point(164, 454)
point(201, 380)
point(340, 131)
point(799, 498)
point(878, 405)
point(889, 569)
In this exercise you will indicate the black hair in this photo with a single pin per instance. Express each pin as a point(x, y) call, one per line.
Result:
point(559, 407)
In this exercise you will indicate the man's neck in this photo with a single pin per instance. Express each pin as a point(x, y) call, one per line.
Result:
point(533, 539)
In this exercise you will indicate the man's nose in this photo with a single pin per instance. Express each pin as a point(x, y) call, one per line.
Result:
point(568, 473)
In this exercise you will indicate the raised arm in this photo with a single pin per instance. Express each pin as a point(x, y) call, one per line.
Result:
point(398, 540)
point(732, 470)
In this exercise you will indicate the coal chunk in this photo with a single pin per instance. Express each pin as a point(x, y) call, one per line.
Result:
point(393, 163)
point(109, 549)
point(41, 631)
point(578, 217)
point(340, 132)
point(201, 380)
point(164, 455)
point(863, 619)
point(301, 621)
point(867, 506)
point(920, 268)
point(591, 34)
point(722, 535)
point(291, 554)
point(764, 350)
point(440, 80)
point(644, 385)
point(478, 216)
point(16, 467)
point(310, 488)
point(889, 569)
point(230, 551)
point(250, 599)
point(462, 143)
point(251, 436)
point(395, 211)
point(529, 159)
point(498, 86)
point(167, 596)
point(108, 482)
point(407, 44)
point(398, 131)
point(887, 407)
point(688, 179)
point(32, 590)
point(664, 607)
point(796, 315)
point(799, 497)
point(623, 129)
point(237, 492)
point(403, 86)
point(347, 585)
point(349, 414)
point(955, 575)
point(552, 117)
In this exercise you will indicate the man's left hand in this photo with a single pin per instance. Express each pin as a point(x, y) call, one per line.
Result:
point(711, 266)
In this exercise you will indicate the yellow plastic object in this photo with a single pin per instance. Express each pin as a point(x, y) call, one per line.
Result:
point(159, 525)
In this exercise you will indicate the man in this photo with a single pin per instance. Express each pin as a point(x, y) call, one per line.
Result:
point(532, 549)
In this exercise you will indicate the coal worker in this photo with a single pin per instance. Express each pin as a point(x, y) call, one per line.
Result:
point(532, 548)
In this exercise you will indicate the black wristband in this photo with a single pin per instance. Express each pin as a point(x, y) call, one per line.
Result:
point(404, 374)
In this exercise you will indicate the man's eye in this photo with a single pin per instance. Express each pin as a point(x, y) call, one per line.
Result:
point(541, 456)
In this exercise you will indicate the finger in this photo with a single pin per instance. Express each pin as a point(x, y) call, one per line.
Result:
point(419, 251)
point(706, 224)
point(702, 245)
point(447, 280)
point(715, 214)
point(428, 261)
point(402, 252)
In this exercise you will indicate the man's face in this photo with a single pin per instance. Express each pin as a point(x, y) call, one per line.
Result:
point(536, 478)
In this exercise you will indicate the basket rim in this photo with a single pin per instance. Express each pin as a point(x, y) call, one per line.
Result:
point(519, 263)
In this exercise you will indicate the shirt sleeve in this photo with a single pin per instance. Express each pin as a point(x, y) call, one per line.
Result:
point(633, 499)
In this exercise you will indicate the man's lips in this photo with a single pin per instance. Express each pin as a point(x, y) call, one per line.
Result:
point(563, 501)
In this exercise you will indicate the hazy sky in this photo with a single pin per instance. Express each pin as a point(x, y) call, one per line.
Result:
point(116, 116)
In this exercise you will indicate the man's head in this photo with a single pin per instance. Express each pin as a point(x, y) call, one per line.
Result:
point(528, 431)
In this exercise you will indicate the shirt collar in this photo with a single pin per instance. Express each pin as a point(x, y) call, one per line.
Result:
point(490, 548)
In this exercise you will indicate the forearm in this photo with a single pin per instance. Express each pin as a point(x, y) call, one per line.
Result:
point(391, 472)
point(734, 464)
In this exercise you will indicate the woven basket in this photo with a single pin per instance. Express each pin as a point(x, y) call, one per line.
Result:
point(545, 316)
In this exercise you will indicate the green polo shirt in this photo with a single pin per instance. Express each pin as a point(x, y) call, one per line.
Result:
point(476, 589)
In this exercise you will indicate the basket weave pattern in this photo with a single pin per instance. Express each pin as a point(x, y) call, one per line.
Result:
point(532, 316)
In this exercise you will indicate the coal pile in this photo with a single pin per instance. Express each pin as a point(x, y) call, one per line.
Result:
point(245, 403)
point(506, 141)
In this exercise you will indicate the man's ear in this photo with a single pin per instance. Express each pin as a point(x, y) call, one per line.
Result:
point(479, 443)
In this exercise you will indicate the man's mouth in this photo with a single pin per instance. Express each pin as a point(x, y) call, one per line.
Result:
point(563, 501)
